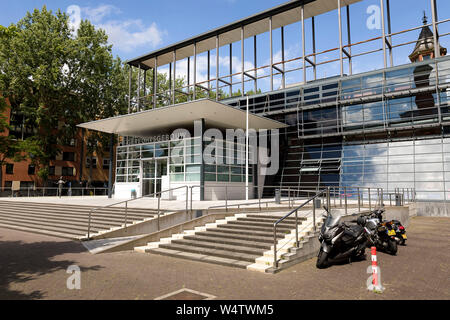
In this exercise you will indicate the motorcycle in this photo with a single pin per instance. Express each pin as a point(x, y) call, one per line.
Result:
point(400, 232)
point(340, 241)
point(382, 234)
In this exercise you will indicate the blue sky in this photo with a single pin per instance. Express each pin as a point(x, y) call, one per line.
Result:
point(136, 27)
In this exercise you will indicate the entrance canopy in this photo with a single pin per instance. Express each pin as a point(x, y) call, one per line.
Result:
point(146, 123)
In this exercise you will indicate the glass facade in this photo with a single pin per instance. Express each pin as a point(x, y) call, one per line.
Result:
point(183, 160)
point(229, 162)
point(388, 128)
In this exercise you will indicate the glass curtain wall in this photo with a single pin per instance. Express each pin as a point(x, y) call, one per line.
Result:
point(387, 128)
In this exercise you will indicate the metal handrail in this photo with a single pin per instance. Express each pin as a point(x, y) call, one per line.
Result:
point(138, 198)
point(327, 190)
point(290, 199)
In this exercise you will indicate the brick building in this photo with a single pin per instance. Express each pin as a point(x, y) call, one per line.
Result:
point(72, 163)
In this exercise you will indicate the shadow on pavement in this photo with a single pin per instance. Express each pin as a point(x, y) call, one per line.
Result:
point(21, 262)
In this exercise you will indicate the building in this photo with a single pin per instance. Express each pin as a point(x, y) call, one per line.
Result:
point(72, 163)
point(387, 128)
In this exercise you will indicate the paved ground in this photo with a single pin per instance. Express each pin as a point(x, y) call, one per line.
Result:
point(34, 267)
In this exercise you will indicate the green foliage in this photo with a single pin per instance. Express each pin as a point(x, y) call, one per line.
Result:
point(51, 75)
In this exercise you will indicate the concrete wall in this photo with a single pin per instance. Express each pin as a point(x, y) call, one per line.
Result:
point(433, 209)
point(401, 214)
point(123, 190)
point(236, 191)
point(149, 226)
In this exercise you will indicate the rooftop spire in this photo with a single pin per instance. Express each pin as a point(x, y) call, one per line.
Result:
point(425, 44)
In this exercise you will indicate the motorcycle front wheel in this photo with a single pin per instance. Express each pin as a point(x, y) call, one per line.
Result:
point(322, 259)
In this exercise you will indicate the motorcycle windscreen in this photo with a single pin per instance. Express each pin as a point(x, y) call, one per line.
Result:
point(332, 221)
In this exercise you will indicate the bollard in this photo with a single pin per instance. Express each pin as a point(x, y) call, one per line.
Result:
point(376, 281)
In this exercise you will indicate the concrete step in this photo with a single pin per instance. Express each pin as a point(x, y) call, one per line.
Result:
point(253, 233)
point(66, 221)
point(239, 237)
point(57, 234)
point(219, 246)
point(273, 217)
point(263, 224)
point(200, 257)
point(40, 228)
point(115, 213)
point(68, 218)
point(270, 220)
point(100, 215)
point(212, 252)
point(251, 228)
point(231, 241)
point(78, 229)
point(76, 208)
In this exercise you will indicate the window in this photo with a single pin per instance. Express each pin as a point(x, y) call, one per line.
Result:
point(69, 156)
point(72, 142)
point(31, 169)
point(94, 162)
point(67, 171)
point(9, 168)
point(51, 170)
point(105, 163)
point(26, 184)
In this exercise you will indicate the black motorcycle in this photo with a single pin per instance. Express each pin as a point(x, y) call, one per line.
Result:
point(340, 241)
point(382, 234)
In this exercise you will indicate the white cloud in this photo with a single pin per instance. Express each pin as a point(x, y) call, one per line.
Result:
point(95, 15)
point(125, 35)
point(131, 34)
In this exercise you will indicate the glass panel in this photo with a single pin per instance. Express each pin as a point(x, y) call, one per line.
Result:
point(177, 177)
point(148, 187)
point(148, 169)
point(223, 177)
point(192, 176)
point(193, 168)
point(236, 178)
point(161, 168)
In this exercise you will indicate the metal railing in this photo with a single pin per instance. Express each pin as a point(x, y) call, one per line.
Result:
point(342, 197)
point(52, 192)
point(157, 194)
point(290, 199)
point(320, 193)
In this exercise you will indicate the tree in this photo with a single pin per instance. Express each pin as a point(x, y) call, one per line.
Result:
point(57, 79)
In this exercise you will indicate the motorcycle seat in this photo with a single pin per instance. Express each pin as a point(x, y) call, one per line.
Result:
point(354, 230)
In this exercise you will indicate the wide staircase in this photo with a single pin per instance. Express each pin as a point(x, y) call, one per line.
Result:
point(66, 221)
point(243, 241)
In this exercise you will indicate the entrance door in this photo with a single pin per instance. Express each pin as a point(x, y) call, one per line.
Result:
point(152, 172)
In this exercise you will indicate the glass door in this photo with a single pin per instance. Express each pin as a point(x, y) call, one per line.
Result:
point(152, 172)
